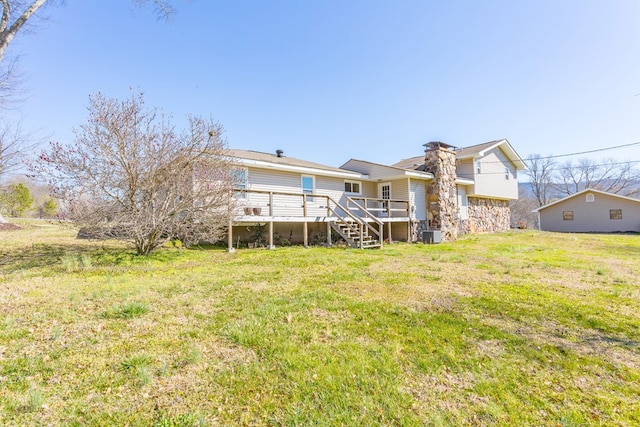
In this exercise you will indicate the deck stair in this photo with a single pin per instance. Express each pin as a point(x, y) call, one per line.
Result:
point(356, 230)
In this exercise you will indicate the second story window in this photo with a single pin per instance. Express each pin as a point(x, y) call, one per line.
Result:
point(478, 168)
point(507, 173)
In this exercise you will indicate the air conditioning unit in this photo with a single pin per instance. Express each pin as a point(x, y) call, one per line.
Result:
point(432, 236)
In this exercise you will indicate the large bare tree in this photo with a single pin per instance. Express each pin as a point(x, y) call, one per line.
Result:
point(131, 176)
point(541, 171)
point(607, 175)
point(15, 15)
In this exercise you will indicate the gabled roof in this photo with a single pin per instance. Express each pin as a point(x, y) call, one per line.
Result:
point(376, 170)
point(481, 149)
point(587, 190)
point(285, 163)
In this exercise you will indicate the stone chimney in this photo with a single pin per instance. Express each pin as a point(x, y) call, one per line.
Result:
point(442, 205)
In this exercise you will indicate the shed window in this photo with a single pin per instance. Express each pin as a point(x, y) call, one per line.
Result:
point(591, 198)
point(615, 213)
point(567, 215)
point(352, 187)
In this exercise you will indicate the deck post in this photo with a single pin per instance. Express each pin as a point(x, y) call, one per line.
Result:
point(271, 203)
point(230, 237)
point(389, 231)
point(305, 233)
point(305, 226)
point(271, 246)
point(329, 233)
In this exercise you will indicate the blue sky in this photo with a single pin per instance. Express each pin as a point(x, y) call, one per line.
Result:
point(329, 80)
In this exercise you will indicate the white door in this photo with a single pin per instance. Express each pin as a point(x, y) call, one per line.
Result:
point(384, 192)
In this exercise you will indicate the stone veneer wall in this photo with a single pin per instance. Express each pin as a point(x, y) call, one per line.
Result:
point(442, 208)
point(487, 216)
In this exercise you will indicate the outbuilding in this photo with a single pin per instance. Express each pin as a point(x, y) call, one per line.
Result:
point(591, 210)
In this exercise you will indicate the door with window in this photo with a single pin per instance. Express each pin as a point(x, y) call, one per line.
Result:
point(384, 193)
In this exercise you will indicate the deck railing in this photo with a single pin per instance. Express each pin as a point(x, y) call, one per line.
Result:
point(287, 204)
point(383, 208)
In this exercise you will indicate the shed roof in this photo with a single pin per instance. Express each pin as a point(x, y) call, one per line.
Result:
point(586, 190)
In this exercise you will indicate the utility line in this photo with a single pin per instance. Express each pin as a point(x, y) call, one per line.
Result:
point(556, 156)
point(585, 152)
point(556, 168)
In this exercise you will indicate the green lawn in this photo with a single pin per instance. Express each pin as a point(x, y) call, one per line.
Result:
point(517, 328)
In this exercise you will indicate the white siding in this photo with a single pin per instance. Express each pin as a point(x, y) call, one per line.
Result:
point(464, 169)
point(290, 182)
point(418, 199)
point(491, 182)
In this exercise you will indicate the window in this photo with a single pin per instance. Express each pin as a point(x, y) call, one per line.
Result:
point(567, 215)
point(352, 187)
point(590, 198)
point(615, 213)
point(239, 181)
point(478, 168)
point(507, 172)
point(308, 184)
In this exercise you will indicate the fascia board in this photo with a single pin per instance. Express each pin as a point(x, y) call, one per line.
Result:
point(301, 169)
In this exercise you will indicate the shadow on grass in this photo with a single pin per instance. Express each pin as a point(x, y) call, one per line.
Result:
point(48, 255)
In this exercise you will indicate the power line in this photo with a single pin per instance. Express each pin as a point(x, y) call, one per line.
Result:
point(585, 152)
point(595, 165)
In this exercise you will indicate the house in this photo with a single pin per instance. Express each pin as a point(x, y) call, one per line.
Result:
point(591, 210)
point(446, 190)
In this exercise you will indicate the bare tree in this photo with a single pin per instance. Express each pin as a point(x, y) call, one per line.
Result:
point(16, 13)
point(608, 175)
point(541, 173)
point(129, 175)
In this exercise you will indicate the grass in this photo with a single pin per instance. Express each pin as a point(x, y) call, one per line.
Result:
point(516, 328)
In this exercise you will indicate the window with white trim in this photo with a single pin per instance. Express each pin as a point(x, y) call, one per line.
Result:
point(478, 167)
point(239, 181)
point(507, 172)
point(308, 184)
point(590, 198)
point(353, 187)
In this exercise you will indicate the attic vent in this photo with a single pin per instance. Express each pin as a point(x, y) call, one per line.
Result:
point(279, 153)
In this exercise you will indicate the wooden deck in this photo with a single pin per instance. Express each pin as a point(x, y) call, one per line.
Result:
point(358, 220)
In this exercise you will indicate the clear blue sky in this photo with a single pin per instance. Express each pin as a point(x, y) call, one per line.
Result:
point(329, 80)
